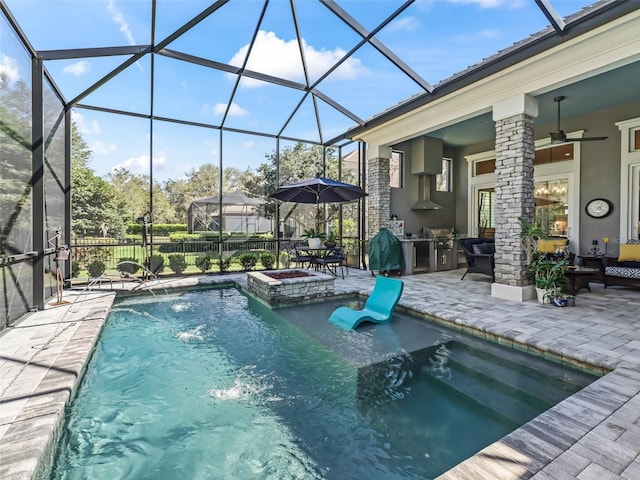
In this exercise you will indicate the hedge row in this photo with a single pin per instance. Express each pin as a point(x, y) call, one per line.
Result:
point(162, 229)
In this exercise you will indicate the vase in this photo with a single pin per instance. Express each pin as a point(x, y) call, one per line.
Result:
point(541, 294)
point(314, 242)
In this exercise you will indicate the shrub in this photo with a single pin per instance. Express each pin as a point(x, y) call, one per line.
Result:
point(128, 265)
point(225, 264)
point(86, 255)
point(248, 261)
point(268, 260)
point(285, 259)
point(96, 268)
point(177, 263)
point(137, 239)
point(161, 229)
point(203, 262)
point(75, 268)
point(155, 264)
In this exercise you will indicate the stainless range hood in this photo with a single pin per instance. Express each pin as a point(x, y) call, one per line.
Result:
point(424, 195)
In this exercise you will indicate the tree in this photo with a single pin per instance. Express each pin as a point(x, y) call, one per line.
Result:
point(198, 183)
point(297, 163)
point(95, 207)
point(15, 167)
point(204, 181)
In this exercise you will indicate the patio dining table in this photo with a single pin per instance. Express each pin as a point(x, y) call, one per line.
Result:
point(318, 255)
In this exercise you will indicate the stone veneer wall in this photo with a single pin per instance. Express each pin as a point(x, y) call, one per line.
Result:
point(515, 150)
point(289, 291)
point(379, 199)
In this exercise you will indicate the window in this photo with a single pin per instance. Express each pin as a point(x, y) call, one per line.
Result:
point(443, 180)
point(556, 192)
point(396, 169)
point(486, 212)
point(551, 200)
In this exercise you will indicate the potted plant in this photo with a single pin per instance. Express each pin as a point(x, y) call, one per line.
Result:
point(314, 238)
point(529, 236)
point(560, 299)
point(548, 276)
point(332, 239)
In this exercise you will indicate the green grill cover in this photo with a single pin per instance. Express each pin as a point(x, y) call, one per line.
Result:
point(385, 252)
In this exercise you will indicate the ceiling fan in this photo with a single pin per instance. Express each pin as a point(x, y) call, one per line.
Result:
point(560, 137)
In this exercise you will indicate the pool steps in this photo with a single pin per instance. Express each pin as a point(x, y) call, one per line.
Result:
point(491, 379)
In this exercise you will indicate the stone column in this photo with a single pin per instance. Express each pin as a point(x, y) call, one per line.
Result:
point(515, 151)
point(379, 199)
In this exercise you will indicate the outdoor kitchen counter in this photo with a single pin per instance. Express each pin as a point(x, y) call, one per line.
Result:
point(420, 254)
point(416, 253)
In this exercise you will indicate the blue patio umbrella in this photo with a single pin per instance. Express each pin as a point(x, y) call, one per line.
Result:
point(318, 190)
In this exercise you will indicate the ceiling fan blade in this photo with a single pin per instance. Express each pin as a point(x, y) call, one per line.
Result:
point(560, 137)
point(585, 139)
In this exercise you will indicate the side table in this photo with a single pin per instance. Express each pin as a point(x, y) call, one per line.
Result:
point(579, 277)
point(597, 262)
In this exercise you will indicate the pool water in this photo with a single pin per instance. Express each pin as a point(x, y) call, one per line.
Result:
point(214, 385)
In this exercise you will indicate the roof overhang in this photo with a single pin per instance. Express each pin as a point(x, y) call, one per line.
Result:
point(541, 67)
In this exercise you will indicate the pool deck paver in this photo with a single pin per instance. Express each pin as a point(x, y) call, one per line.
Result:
point(594, 434)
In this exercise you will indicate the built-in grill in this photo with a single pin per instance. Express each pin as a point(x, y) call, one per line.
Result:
point(441, 249)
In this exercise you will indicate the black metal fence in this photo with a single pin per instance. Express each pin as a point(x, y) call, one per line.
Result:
point(104, 256)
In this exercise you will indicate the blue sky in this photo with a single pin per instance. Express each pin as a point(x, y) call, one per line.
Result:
point(436, 38)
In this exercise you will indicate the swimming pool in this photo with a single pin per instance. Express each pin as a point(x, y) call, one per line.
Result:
point(213, 384)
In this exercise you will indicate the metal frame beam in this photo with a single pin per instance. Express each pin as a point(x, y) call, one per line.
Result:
point(377, 44)
point(92, 52)
point(556, 20)
point(37, 181)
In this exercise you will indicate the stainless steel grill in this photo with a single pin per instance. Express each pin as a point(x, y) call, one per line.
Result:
point(442, 248)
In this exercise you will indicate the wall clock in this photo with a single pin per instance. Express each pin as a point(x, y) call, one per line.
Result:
point(599, 208)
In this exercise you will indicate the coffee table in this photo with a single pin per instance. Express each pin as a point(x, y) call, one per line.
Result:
point(598, 262)
point(579, 278)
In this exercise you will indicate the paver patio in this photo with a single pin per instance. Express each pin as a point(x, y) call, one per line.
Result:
point(594, 434)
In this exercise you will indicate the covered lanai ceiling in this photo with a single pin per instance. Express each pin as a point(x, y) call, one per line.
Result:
point(297, 70)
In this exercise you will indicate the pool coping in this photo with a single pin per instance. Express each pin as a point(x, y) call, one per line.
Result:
point(580, 434)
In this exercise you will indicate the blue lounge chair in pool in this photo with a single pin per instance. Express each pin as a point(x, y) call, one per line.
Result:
point(377, 309)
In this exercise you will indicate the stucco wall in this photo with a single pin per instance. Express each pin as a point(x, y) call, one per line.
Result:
point(600, 178)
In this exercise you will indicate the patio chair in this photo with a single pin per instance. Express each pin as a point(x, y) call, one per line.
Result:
point(334, 259)
point(377, 309)
point(479, 254)
point(302, 259)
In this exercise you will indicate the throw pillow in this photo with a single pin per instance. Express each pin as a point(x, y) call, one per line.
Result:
point(482, 248)
point(550, 245)
point(629, 253)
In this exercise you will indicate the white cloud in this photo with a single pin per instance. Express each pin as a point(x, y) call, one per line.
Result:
point(118, 18)
point(213, 147)
point(277, 57)
point(9, 69)
point(102, 148)
point(406, 24)
point(78, 68)
point(473, 37)
point(248, 145)
point(140, 164)
point(488, 33)
point(235, 110)
point(83, 127)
